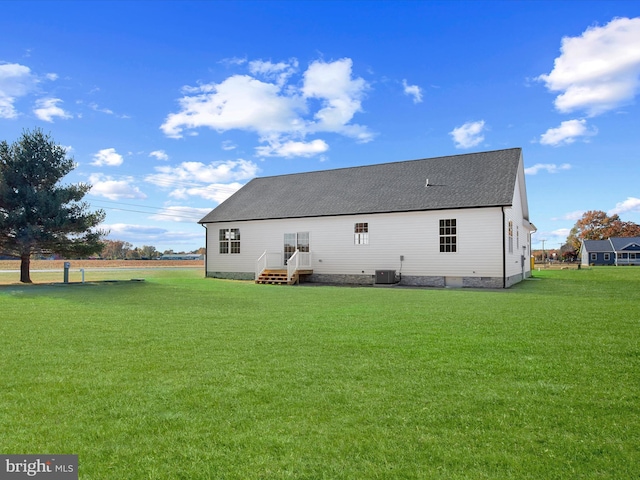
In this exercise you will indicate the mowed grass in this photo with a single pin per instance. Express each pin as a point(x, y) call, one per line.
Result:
point(181, 377)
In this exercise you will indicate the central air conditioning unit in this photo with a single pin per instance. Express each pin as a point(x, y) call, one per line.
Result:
point(385, 276)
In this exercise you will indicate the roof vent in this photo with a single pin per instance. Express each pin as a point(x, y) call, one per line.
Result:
point(427, 184)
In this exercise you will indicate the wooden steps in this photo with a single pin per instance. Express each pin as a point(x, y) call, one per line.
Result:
point(279, 277)
point(273, 277)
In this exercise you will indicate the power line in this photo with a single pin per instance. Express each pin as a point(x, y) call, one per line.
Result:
point(164, 180)
point(151, 213)
point(162, 211)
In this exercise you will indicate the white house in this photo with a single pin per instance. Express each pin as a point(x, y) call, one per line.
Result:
point(460, 220)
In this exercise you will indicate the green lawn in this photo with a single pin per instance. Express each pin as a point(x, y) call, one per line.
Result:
point(181, 377)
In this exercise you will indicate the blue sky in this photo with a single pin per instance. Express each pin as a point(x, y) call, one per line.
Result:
point(170, 107)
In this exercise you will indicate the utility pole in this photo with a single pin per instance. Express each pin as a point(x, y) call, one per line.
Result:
point(544, 258)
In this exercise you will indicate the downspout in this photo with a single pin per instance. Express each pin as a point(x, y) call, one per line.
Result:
point(206, 251)
point(504, 252)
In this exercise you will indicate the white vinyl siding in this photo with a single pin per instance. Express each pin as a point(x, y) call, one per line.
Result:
point(514, 218)
point(415, 235)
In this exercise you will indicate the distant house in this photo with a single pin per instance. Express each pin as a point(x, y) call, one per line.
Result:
point(613, 251)
point(596, 252)
point(460, 220)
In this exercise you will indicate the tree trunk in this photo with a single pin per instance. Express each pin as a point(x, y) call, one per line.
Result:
point(25, 261)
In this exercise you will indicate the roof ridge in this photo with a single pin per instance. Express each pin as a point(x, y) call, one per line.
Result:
point(390, 163)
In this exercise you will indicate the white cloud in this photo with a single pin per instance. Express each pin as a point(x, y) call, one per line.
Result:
point(561, 232)
point(94, 106)
point(216, 192)
point(341, 97)
point(239, 102)
point(279, 72)
point(412, 90)
point(599, 70)
point(277, 108)
point(180, 214)
point(228, 145)
point(631, 204)
point(97, 108)
point(199, 173)
point(15, 81)
point(215, 181)
point(293, 149)
point(233, 61)
point(548, 167)
point(568, 132)
point(125, 228)
point(159, 155)
point(47, 108)
point(575, 215)
point(105, 186)
point(108, 157)
point(468, 135)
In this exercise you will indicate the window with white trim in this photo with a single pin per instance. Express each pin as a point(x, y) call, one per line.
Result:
point(448, 236)
point(510, 236)
point(594, 256)
point(361, 234)
point(229, 240)
point(607, 256)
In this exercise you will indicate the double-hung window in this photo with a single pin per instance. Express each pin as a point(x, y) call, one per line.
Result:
point(361, 234)
point(448, 236)
point(229, 240)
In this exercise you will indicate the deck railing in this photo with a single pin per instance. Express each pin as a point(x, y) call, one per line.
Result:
point(268, 260)
point(298, 261)
point(627, 261)
point(273, 260)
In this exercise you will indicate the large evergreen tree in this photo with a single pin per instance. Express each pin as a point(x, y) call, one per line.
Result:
point(37, 214)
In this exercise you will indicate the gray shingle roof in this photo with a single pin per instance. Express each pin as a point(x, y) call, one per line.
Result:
point(594, 246)
point(625, 243)
point(460, 181)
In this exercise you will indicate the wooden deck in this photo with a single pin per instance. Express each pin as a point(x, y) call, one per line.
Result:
point(279, 277)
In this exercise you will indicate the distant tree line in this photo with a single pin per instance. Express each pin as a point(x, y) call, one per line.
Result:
point(121, 250)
